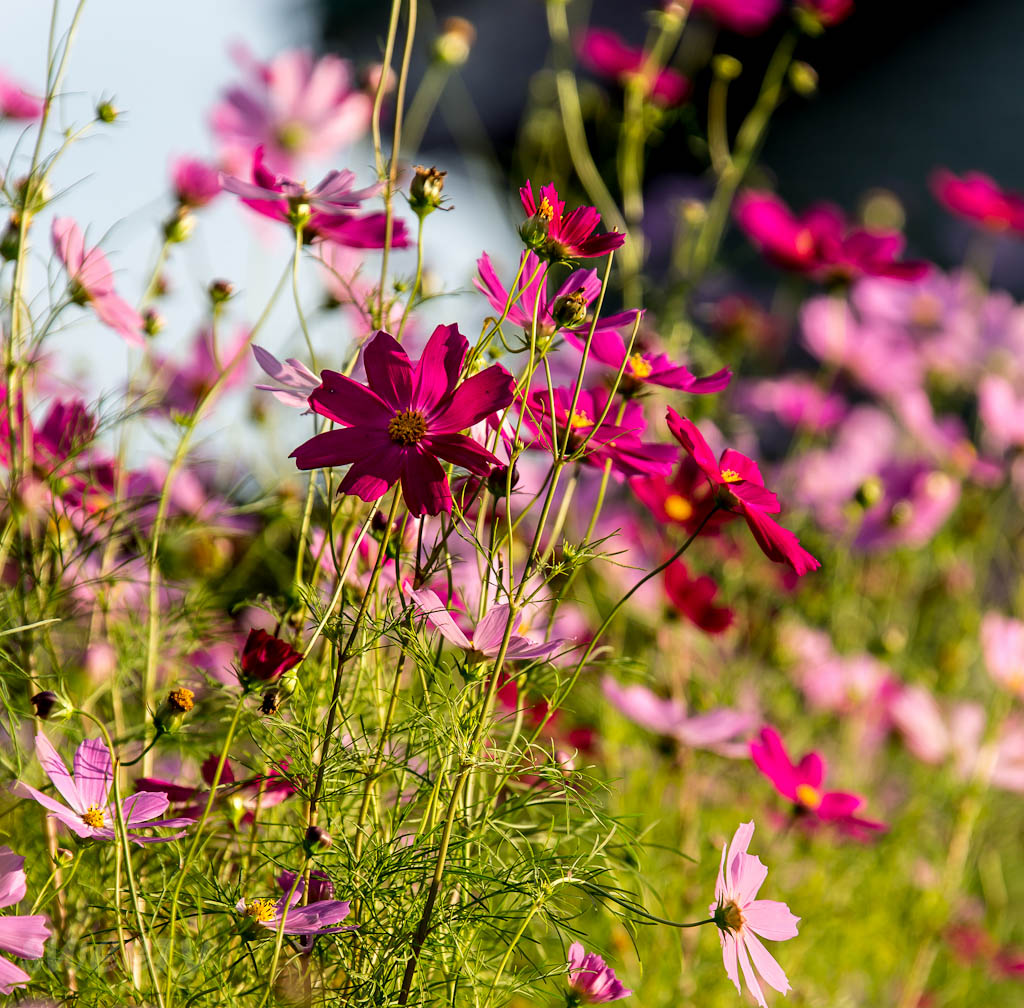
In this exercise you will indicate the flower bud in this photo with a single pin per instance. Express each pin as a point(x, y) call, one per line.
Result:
point(48, 705)
point(453, 45)
point(499, 480)
point(221, 291)
point(570, 309)
point(106, 111)
point(172, 711)
point(803, 78)
point(317, 840)
point(10, 242)
point(425, 190)
point(152, 321)
point(178, 227)
point(534, 230)
point(726, 67)
point(266, 658)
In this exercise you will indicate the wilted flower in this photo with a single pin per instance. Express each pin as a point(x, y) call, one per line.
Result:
point(22, 935)
point(591, 981)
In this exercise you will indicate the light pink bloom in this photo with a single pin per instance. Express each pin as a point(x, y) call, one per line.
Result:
point(1002, 644)
point(591, 980)
point(22, 935)
point(1001, 410)
point(297, 379)
point(92, 281)
point(90, 812)
point(743, 920)
point(16, 103)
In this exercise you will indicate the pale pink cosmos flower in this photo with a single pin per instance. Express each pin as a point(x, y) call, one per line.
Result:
point(90, 812)
point(22, 935)
point(297, 379)
point(311, 919)
point(743, 920)
point(92, 281)
point(1002, 644)
point(591, 980)
point(1001, 411)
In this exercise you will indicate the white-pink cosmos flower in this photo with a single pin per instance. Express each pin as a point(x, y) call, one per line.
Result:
point(21, 935)
point(297, 379)
point(743, 920)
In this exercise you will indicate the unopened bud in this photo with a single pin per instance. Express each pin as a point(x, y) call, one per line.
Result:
point(178, 227)
point(107, 112)
point(10, 242)
point(317, 839)
point(500, 481)
point(63, 856)
point(803, 78)
point(570, 310)
point(694, 212)
point(534, 230)
point(726, 67)
point(425, 190)
point(221, 291)
point(454, 43)
point(32, 193)
point(44, 704)
point(172, 711)
point(152, 321)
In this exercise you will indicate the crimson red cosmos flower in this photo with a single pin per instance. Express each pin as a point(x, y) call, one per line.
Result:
point(979, 198)
point(683, 500)
point(739, 486)
point(404, 419)
point(553, 234)
point(693, 597)
point(606, 53)
point(821, 243)
point(266, 658)
point(801, 784)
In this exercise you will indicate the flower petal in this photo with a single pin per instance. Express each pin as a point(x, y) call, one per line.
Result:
point(766, 965)
point(477, 397)
point(438, 368)
point(388, 370)
point(424, 485)
point(54, 768)
point(770, 919)
point(93, 773)
point(345, 401)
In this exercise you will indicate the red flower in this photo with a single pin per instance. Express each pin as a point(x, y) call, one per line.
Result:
point(554, 234)
point(739, 487)
point(980, 199)
point(404, 419)
point(266, 658)
point(694, 599)
point(606, 53)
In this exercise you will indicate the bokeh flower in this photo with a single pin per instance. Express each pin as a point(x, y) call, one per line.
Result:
point(609, 55)
point(22, 935)
point(979, 198)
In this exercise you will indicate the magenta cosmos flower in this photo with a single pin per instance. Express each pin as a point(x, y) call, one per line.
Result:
point(821, 243)
point(195, 182)
point(591, 980)
point(743, 920)
point(406, 418)
point(21, 935)
point(979, 198)
point(693, 597)
point(748, 17)
point(90, 812)
point(801, 784)
point(609, 55)
point(739, 487)
point(326, 212)
point(92, 281)
point(556, 235)
point(294, 105)
point(485, 641)
point(311, 919)
point(16, 103)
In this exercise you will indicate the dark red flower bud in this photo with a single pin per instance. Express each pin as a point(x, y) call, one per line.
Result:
point(266, 658)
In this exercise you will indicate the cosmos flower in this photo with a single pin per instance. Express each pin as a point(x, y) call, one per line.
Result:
point(743, 920)
point(693, 597)
point(1002, 645)
point(266, 658)
point(22, 935)
point(801, 784)
point(89, 812)
point(406, 418)
point(591, 981)
point(298, 381)
point(195, 182)
point(92, 281)
point(607, 54)
point(979, 198)
point(16, 103)
point(312, 919)
point(556, 235)
point(748, 17)
point(740, 488)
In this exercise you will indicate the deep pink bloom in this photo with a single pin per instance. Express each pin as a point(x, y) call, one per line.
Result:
point(485, 641)
point(743, 920)
point(294, 106)
point(266, 658)
point(683, 500)
point(748, 17)
point(298, 381)
point(739, 487)
point(92, 281)
point(89, 812)
point(327, 212)
point(534, 295)
point(22, 935)
point(821, 242)
point(556, 235)
point(609, 55)
point(719, 730)
point(195, 182)
point(693, 597)
point(404, 419)
point(591, 981)
point(979, 198)
point(16, 103)
point(801, 784)
point(605, 440)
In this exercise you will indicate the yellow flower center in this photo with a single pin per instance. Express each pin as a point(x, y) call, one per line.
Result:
point(545, 210)
point(262, 910)
point(678, 508)
point(93, 816)
point(730, 476)
point(580, 419)
point(809, 796)
point(181, 699)
point(729, 917)
point(407, 427)
point(639, 366)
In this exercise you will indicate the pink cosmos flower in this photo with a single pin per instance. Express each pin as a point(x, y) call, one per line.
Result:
point(748, 17)
point(605, 441)
point(1002, 644)
point(607, 54)
point(485, 641)
point(583, 283)
point(404, 419)
point(1001, 410)
point(195, 182)
point(89, 812)
point(821, 242)
point(980, 199)
point(311, 919)
point(693, 597)
point(298, 381)
point(16, 103)
point(182, 385)
point(556, 235)
point(92, 281)
point(743, 920)
point(326, 212)
point(797, 401)
point(22, 935)
point(801, 784)
point(720, 730)
point(739, 487)
point(683, 500)
point(295, 106)
point(591, 981)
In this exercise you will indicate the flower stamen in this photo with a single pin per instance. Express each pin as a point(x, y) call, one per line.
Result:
point(407, 427)
point(261, 910)
point(639, 366)
point(93, 816)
